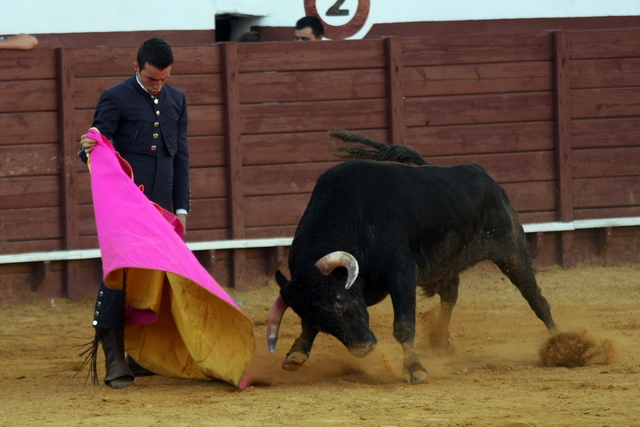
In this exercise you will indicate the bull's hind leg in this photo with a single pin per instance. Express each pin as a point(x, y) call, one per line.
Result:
point(439, 332)
point(299, 352)
point(519, 270)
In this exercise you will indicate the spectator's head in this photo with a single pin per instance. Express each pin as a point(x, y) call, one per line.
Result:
point(250, 36)
point(309, 28)
point(153, 64)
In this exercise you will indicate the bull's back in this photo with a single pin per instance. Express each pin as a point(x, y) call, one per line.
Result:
point(370, 188)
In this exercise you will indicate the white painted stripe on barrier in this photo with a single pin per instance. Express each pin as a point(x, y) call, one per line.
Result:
point(581, 224)
point(75, 254)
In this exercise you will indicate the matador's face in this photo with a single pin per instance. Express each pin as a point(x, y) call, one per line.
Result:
point(152, 78)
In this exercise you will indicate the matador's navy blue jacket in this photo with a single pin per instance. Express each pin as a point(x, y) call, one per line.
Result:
point(151, 134)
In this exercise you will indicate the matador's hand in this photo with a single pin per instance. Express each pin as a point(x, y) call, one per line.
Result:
point(87, 144)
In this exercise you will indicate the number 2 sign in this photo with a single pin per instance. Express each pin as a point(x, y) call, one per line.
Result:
point(343, 31)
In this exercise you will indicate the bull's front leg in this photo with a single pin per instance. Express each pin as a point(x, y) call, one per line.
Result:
point(299, 352)
point(404, 330)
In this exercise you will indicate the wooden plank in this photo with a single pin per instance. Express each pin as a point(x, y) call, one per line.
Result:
point(312, 85)
point(206, 234)
point(313, 116)
point(608, 212)
point(28, 128)
point(197, 59)
point(481, 139)
point(604, 44)
point(471, 109)
point(395, 90)
point(532, 196)
point(562, 66)
point(30, 224)
point(538, 216)
point(68, 176)
point(497, 26)
point(200, 89)
point(507, 167)
point(282, 179)
point(105, 62)
point(476, 49)
point(296, 147)
point(208, 213)
point(83, 120)
point(266, 232)
point(563, 127)
point(205, 214)
point(206, 120)
point(88, 90)
point(207, 151)
point(34, 64)
point(87, 226)
point(208, 182)
point(235, 179)
point(278, 210)
point(68, 147)
point(290, 56)
point(606, 162)
point(29, 192)
point(41, 159)
point(33, 245)
point(27, 95)
point(611, 192)
point(83, 187)
point(605, 102)
point(17, 288)
point(597, 73)
point(478, 78)
point(622, 246)
point(234, 147)
point(607, 132)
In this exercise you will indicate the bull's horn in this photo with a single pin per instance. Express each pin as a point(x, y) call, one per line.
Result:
point(273, 326)
point(330, 262)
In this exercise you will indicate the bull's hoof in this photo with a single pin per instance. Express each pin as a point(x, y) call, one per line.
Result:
point(294, 361)
point(415, 376)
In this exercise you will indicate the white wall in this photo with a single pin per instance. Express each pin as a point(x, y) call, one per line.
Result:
point(86, 16)
point(68, 16)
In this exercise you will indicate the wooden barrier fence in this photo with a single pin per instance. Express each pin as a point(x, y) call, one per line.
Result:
point(552, 116)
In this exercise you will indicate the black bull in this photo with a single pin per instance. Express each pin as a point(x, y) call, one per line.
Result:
point(394, 227)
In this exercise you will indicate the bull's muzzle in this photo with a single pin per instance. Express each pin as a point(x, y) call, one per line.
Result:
point(362, 350)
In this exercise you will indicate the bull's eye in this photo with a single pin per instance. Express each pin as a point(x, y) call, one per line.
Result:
point(338, 303)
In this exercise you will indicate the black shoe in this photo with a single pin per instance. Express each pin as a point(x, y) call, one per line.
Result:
point(119, 375)
point(137, 370)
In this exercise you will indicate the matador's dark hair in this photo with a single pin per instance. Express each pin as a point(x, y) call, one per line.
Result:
point(156, 52)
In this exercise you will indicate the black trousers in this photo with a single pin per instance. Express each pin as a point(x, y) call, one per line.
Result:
point(109, 310)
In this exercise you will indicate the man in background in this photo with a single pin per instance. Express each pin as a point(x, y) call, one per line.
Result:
point(18, 42)
point(309, 28)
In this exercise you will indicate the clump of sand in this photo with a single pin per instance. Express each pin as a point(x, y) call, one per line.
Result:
point(575, 349)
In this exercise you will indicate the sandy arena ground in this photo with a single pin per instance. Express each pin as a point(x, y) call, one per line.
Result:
point(493, 378)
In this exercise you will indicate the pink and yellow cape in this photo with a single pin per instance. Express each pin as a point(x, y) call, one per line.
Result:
point(180, 322)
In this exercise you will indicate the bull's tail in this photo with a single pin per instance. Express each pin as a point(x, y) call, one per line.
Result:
point(381, 152)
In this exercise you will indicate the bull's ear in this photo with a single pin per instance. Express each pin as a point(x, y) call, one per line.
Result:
point(280, 279)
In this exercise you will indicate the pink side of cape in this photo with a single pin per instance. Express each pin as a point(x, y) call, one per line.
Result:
point(132, 231)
